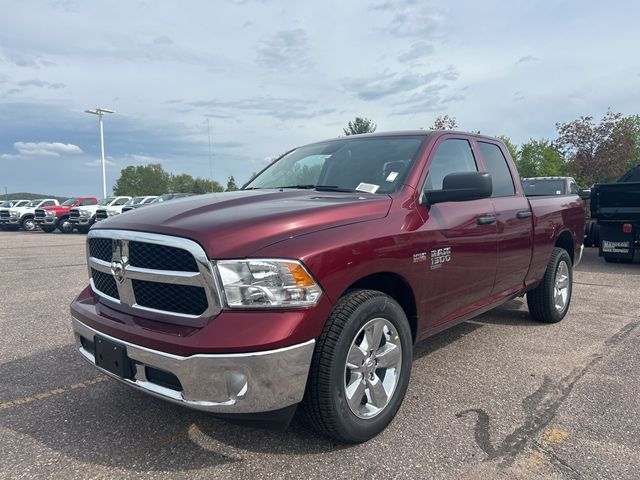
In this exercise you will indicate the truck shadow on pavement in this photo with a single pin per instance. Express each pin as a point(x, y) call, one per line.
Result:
point(53, 398)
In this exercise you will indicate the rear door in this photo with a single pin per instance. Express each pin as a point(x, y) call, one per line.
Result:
point(459, 239)
point(514, 221)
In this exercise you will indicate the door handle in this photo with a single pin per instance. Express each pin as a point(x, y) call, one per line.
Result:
point(486, 220)
point(524, 214)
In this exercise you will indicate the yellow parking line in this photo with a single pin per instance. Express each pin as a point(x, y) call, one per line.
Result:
point(51, 393)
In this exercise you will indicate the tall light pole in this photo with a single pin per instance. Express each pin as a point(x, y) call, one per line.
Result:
point(210, 156)
point(99, 112)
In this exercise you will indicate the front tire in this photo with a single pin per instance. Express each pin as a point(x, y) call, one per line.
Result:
point(549, 301)
point(28, 224)
point(360, 368)
point(65, 226)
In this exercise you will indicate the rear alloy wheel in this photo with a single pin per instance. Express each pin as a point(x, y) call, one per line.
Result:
point(549, 301)
point(360, 368)
point(28, 224)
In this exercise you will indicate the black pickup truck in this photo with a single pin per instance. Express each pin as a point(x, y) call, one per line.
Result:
point(616, 206)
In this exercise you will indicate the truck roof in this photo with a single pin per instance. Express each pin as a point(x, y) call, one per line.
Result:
point(414, 133)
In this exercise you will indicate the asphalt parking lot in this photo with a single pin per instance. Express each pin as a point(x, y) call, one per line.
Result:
point(499, 396)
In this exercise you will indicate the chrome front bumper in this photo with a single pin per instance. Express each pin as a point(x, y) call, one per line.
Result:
point(46, 220)
point(222, 383)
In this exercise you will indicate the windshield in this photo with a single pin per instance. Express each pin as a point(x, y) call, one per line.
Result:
point(106, 201)
point(71, 201)
point(163, 198)
point(534, 188)
point(134, 201)
point(374, 164)
point(34, 203)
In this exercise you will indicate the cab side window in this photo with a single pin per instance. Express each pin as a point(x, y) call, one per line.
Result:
point(87, 202)
point(498, 168)
point(122, 201)
point(48, 203)
point(573, 188)
point(453, 155)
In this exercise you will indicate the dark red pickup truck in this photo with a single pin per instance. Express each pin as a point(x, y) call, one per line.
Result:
point(310, 286)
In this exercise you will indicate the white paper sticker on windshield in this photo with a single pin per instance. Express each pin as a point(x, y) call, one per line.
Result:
point(392, 176)
point(367, 187)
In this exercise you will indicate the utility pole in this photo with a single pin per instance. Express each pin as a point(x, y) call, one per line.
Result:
point(100, 112)
point(6, 193)
point(210, 155)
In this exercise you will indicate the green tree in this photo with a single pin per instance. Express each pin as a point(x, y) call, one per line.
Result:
point(512, 147)
point(204, 185)
point(600, 152)
point(231, 184)
point(149, 179)
point(182, 183)
point(444, 122)
point(539, 158)
point(360, 125)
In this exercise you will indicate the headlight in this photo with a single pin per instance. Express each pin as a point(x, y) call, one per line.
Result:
point(13, 213)
point(84, 213)
point(50, 213)
point(264, 283)
point(112, 212)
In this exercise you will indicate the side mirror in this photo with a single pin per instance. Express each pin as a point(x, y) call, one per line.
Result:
point(585, 193)
point(460, 187)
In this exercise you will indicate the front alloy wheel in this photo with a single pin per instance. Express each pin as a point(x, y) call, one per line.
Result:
point(360, 368)
point(28, 224)
point(372, 368)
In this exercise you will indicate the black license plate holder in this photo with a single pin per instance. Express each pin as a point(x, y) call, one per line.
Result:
point(112, 357)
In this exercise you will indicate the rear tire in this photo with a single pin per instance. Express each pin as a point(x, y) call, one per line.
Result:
point(549, 301)
point(365, 351)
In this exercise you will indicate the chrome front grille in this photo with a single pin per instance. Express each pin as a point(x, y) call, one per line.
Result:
point(145, 273)
point(4, 214)
point(39, 214)
point(74, 214)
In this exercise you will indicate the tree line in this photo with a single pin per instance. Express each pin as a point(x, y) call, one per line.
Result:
point(152, 179)
point(590, 151)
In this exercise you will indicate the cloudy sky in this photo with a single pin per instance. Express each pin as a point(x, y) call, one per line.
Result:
point(271, 75)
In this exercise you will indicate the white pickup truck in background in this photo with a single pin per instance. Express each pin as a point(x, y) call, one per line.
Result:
point(83, 217)
point(23, 216)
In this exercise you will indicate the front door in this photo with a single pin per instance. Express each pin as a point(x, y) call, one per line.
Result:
point(458, 238)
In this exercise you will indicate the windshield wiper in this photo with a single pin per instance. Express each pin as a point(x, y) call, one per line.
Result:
point(320, 188)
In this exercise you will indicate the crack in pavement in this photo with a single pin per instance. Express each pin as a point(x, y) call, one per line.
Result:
point(540, 407)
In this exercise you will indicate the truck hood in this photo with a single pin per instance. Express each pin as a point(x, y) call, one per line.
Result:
point(22, 210)
point(56, 208)
point(90, 208)
point(237, 224)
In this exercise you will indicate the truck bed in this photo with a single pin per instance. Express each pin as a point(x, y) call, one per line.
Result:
point(616, 202)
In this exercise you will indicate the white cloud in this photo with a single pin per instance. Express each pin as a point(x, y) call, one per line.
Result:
point(97, 163)
point(51, 149)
